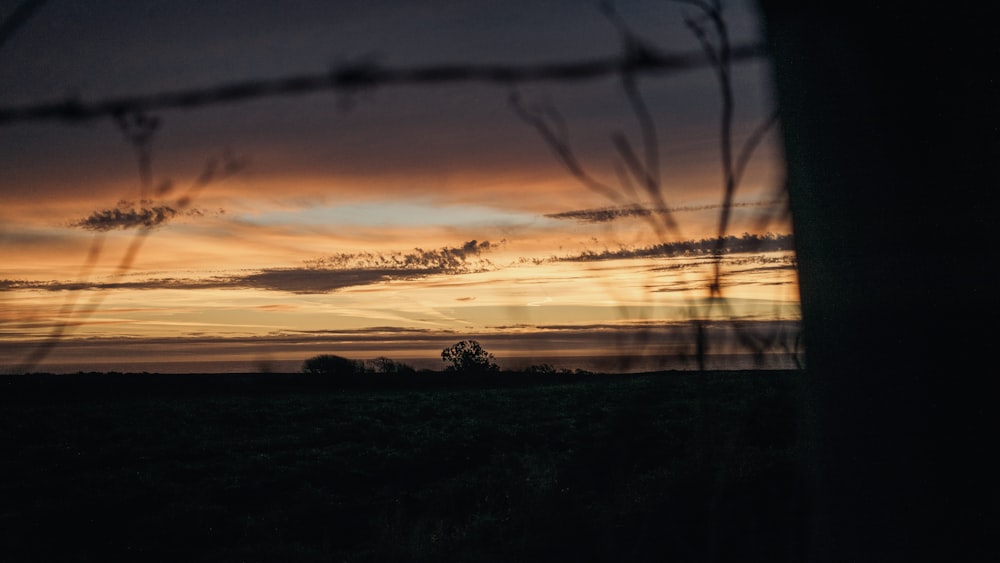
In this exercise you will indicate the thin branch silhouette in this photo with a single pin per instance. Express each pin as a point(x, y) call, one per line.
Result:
point(631, 168)
point(554, 132)
point(21, 14)
point(628, 166)
point(719, 51)
point(636, 49)
point(643, 176)
point(751, 144)
point(138, 130)
point(720, 56)
point(351, 77)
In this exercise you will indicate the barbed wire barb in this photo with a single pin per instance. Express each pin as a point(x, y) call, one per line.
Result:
point(351, 77)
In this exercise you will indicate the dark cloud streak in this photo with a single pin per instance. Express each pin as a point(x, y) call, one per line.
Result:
point(446, 259)
point(322, 275)
point(128, 215)
point(124, 219)
point(608, 214)
point(704, 247)
point(340, 271)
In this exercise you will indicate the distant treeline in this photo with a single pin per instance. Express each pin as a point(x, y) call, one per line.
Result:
point(747, 243)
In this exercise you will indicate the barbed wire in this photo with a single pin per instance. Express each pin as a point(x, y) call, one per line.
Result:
point(352, 77)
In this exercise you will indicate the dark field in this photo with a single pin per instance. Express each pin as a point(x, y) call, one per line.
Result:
point(673, 466)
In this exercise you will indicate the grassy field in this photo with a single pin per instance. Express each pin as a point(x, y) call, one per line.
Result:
point(269, 467)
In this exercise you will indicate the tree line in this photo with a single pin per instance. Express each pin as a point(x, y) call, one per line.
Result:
point(467, 357)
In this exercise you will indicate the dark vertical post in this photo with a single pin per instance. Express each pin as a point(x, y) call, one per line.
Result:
point(890, 134)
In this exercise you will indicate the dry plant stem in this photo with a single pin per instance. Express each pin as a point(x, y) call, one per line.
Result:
point(647, 127)
point(554, 132)
point(139, 130)
point(627, 187)
point(636, 50)
point(750, 145)
point(552, 128)
point(559, 143)
point(71, 315)
point(93, 255)
point(652, 188)
point(646, 171)
point(79, 315)
point(764, 218)
point(720, 56)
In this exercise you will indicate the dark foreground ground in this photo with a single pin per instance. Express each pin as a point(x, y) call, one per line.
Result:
point(677, 466)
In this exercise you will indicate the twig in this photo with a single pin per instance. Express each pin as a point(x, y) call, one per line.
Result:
point(139, 134)
point(558, 141)
point(21, 14)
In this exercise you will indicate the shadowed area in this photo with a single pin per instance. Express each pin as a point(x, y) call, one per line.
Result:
point(422, 468)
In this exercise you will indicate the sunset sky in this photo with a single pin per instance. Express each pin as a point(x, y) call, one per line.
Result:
point(387, 221)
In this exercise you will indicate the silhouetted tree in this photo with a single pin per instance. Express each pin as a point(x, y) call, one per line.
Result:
point(468, 356)
point(540, 369)
point(386, 365)
point(328, 364)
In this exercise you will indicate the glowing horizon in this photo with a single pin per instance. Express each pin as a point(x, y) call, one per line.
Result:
point(430, 209)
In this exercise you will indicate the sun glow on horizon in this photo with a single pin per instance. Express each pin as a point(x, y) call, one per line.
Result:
point(417, 210)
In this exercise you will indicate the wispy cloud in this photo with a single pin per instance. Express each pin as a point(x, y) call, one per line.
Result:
point(320, 275)
point(130, 215)
point(375, 331)
point(307, 280)
point(344, 270)
point(747, 243)
point(337, 271)
point(446, 259)
point(157, 283)
point(608, 214)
